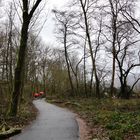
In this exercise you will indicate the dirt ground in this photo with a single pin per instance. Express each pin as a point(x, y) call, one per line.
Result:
point(84, 129)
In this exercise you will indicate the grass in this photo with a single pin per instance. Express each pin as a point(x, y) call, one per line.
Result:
point(111, 118)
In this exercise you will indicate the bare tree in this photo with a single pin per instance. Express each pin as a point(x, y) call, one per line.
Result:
point(27, 16)
point(86, 5)
point(9, 54)
point(65, 23)
point(129, 13)
point(43, 65)
point(114, 13)
point(125, 57)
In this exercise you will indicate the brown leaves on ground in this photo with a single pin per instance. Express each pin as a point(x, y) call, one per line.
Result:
point(84, 129)
point(26, 114)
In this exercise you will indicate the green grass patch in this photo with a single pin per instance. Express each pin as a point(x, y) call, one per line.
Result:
point(118, 118)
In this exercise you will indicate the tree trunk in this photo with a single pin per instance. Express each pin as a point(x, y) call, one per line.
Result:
point(85, 80)
point(44, 80)
point(97, 82)
point(124, 94)
point(113, 74)
point(21, 55)
point(66, 58)
point(20, 66)
point(90, 48)
point(114, 32)
point(10, 66)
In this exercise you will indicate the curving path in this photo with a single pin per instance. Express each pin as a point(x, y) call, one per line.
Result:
point(52, 123)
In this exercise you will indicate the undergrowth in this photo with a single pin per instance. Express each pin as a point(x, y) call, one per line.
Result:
point(113, 118)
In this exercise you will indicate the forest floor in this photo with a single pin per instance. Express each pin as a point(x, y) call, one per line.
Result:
point(105, 119)
point(108, 119)
point(27, 113)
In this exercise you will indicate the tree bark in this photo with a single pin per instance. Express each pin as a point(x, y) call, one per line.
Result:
point(90, 49)
point(19, 71)
point(85, 79)
point(114, 32)
point(20, 66)
point(66, 58)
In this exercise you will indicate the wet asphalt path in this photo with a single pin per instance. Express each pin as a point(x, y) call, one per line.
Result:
point(52, 123)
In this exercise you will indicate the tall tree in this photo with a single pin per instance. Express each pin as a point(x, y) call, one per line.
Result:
point(65, 22)
point(126, 57)
point(9, 55)
point(114, 13)
point(27, 15)
point(85, 6)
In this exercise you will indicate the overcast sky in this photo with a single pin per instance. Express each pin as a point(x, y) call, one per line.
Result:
point(47, 32)
point(48, 29)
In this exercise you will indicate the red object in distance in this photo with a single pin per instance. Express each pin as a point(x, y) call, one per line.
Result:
point(41, 93)
point(36, 95)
